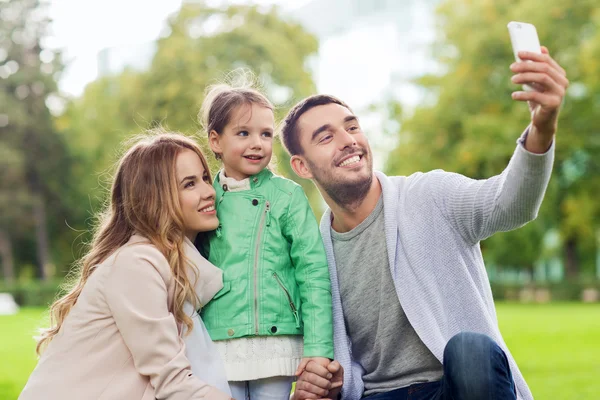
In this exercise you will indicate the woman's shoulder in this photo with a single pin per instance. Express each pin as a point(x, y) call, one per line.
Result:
point(139, 253)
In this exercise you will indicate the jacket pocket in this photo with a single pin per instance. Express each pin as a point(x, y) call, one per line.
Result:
point(289, 299)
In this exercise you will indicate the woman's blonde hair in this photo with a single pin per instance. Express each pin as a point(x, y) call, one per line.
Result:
point(144, 200)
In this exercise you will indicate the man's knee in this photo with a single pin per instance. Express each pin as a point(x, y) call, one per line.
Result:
point(467, 346)
point(475, 366)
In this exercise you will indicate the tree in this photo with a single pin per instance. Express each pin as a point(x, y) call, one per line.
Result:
point(469, 122)
point(35, 155)
point(14, 203)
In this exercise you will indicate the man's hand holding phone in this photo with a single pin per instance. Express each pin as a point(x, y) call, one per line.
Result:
point(548, 82)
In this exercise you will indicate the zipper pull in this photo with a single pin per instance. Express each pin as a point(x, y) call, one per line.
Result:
point(297, 318)
point(295, 312)
point(268, 211)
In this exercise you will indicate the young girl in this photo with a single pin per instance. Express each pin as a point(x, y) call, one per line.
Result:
point(274, 311)
point(117, 334)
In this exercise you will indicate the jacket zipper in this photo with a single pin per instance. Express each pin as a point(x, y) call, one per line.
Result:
point(264, 216)
point(218, 231)
point(291, 302)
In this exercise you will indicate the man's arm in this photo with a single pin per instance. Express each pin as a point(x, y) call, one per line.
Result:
point(479, 208)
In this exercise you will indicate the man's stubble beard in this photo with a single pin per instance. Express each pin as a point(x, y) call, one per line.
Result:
point(348, 195)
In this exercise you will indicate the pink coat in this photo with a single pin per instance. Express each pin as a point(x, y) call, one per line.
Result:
point(120, 340)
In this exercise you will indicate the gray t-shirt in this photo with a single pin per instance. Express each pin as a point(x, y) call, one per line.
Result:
point(383, 340)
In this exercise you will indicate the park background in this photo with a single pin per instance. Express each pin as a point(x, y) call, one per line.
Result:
point(429, 79)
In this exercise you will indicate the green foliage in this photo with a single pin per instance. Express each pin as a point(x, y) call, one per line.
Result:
point(33, 293)
point(469, 123)
point(555, 292)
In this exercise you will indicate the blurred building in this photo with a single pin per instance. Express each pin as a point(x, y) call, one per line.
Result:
point(113, 60)
point(370, 48)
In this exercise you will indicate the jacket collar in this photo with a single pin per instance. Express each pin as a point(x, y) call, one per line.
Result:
point(255, 181)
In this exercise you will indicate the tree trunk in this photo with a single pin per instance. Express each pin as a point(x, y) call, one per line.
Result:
point(571, 260)
point(8, 267)
point(530, 273)
point(41, 235)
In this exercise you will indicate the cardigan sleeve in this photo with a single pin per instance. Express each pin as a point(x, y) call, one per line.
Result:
point(479, 208)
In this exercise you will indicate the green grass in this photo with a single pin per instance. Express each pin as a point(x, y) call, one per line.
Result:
point(557, 347)
point(17, 350)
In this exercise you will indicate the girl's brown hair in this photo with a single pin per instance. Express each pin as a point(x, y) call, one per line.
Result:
point(223, 99)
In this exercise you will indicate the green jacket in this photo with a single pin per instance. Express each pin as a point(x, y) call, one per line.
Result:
point(275, 273)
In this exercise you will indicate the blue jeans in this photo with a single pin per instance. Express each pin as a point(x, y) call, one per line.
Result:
point(475, 368)
point(275, 388)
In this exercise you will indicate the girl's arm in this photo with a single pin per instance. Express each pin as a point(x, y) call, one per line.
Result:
point(312, 275)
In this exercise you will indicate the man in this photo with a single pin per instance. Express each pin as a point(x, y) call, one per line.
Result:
point(413, 311)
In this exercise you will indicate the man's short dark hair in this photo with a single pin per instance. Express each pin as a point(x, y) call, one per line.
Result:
point(289, 128)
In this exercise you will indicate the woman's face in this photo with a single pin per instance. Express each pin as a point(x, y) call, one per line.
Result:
point(196, 194)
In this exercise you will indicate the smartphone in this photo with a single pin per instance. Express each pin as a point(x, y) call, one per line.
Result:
point(524, 37)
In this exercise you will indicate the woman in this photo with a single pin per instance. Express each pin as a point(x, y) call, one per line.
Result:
point(117, 334)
